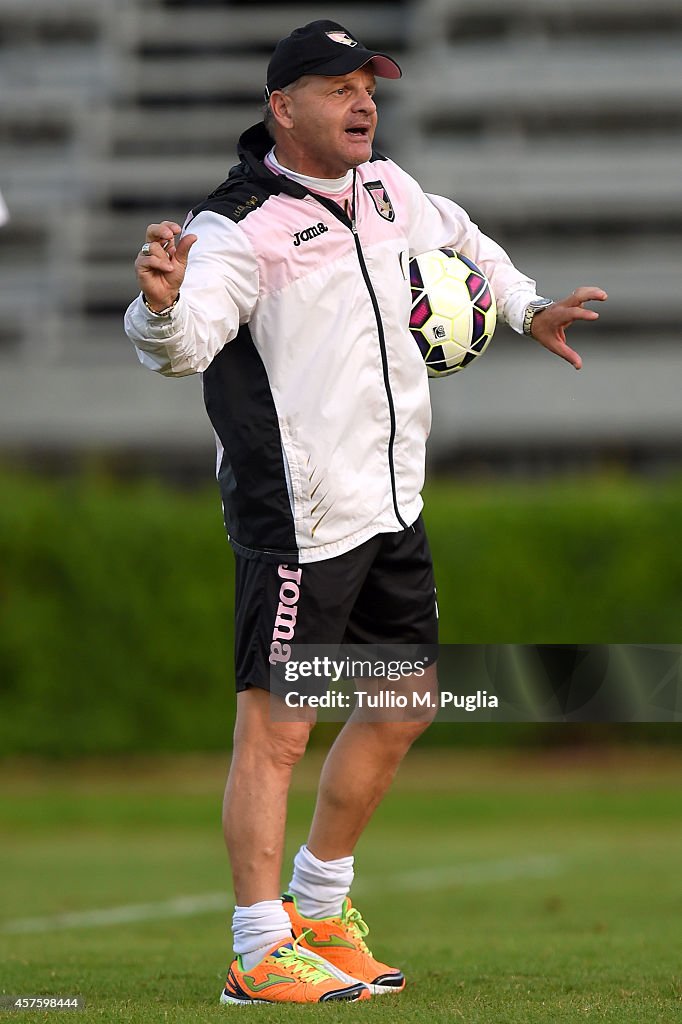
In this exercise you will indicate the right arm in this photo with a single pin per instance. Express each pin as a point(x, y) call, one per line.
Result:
point(216, 290)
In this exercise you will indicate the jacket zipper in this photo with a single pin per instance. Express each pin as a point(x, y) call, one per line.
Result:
point(340, 215)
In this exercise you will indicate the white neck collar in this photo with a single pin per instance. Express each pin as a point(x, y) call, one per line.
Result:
point(332, 186)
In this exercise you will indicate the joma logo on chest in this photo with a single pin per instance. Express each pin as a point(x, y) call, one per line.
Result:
point(312, 232)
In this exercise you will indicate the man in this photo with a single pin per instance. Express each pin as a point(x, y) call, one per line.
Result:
point(294, 303)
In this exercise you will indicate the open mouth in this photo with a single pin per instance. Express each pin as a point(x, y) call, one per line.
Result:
point(359, 132)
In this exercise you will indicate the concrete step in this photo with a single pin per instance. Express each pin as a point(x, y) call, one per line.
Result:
point(516, 393)
point(642, 280)
point(437, 11)
point(164, 131)
point(478, 80)
point(624, 183)
point(261, 26)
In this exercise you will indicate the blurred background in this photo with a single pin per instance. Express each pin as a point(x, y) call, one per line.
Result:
point(554, 498)
point(541, 876)
point(556, 123)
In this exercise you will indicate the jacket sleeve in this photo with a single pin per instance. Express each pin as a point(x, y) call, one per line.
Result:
point(218, 294)
point(437, 222)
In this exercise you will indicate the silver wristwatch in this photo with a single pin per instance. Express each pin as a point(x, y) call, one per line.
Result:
point(531, 309)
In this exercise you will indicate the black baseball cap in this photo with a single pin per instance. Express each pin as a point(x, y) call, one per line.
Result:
point(323, 48)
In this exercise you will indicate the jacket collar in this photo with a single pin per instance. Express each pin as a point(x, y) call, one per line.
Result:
point(253, 147)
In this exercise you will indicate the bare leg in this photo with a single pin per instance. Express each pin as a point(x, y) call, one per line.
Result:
point(357, 773)
point(254, 809)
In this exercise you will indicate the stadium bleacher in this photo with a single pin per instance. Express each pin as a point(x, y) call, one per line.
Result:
point(556, 123)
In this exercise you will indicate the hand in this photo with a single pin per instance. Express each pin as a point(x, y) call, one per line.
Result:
point(549, 325)
point(162, 272)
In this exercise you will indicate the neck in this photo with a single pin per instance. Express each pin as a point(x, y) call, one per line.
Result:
point(291, 159)
point(321, 184)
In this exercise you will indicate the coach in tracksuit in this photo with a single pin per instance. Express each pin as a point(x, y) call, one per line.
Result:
point(289, 292)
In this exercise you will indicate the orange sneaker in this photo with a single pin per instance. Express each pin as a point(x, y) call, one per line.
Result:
point(341, 941)
point(289, 974)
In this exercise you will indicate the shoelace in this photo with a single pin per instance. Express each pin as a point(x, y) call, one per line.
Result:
point(307, 968)
point(358, 928)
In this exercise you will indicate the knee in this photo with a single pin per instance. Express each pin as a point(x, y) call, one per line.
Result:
point(422, 703)
point(396, 737)
point(423, 722)
point(285, 743)
point(412, 730)
point(423, 717)
point(273, 751)
point(260, 738)
point(402, 728)
point(276, 745)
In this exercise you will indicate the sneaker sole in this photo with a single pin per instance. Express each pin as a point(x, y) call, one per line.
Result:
point(234, 1001)
point(384, 990)
point(224, 998)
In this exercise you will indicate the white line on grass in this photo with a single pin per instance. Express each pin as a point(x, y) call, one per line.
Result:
point(424, 879)
point(420, 880)
point(182, 906)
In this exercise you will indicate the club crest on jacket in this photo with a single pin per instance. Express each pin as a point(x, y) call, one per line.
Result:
point(381, 199)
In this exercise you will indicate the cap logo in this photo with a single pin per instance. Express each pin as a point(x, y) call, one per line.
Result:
point(342, 37)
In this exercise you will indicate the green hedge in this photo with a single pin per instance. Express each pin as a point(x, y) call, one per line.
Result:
point(586, 561)
point(116, 599)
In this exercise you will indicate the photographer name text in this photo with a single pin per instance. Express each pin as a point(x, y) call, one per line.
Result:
point(377, 700)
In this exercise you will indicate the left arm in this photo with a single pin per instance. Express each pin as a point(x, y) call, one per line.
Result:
point(438, 222)
point(549, 324)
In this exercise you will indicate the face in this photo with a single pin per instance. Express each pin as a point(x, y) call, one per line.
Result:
point(326, 125)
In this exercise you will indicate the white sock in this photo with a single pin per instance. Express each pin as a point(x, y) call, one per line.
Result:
point(320, 886)
point(257, 928)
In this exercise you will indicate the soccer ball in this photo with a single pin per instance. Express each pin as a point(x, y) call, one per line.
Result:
point(453, 310)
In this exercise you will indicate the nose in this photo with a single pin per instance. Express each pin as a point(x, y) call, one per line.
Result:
point(365, 104)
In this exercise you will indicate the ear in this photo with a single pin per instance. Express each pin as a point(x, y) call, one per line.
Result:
point(280, 105)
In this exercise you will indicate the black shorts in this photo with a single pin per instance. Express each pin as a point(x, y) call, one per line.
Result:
point(381, 592)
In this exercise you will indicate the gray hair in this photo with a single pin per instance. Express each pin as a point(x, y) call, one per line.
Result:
point(269, 120)
point(268, 116)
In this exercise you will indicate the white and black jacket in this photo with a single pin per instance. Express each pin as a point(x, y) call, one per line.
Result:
point(297, 317)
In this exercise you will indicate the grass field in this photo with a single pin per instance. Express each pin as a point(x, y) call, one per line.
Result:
point(509, 888)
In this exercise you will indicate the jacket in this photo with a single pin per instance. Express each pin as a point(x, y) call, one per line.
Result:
point(296, 314)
